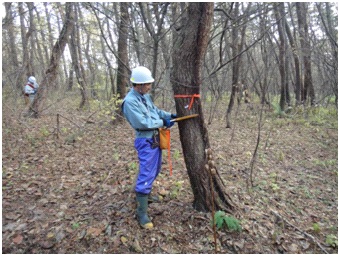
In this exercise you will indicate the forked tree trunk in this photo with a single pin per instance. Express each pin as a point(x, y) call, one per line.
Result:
point(190, 43)
point(51, 73)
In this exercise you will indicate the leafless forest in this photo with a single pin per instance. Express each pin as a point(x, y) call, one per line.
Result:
point(263, 152)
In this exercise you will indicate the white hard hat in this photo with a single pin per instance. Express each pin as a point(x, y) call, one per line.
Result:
point(141, 75)
point(32, 79)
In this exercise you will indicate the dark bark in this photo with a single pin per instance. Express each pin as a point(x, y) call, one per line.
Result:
point(235, 65)
point(123, 71)
point(308, 90)
point(190, 44)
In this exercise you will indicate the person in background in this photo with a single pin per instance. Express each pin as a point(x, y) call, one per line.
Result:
point(30, 90)
point(145, 118)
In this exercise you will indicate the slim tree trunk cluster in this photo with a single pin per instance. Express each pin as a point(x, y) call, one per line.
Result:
point(51, 72)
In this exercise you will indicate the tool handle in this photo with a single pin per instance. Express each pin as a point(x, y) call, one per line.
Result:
point(184, 118)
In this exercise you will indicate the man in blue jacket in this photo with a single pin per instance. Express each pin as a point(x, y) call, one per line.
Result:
point(145, 118)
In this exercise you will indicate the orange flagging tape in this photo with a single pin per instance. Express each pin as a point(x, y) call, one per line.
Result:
point(169, 156)
point(188, 96)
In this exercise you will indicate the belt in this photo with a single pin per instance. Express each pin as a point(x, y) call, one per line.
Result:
point(146, 129)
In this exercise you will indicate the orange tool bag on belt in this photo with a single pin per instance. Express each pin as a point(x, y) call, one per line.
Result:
point(165, 143)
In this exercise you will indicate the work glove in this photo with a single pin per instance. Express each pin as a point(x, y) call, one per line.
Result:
point(173, 115)
point(168, 123)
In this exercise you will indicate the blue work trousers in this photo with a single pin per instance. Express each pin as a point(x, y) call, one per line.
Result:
point(149, 164)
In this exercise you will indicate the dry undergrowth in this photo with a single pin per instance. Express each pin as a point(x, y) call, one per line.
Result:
point(67, 188)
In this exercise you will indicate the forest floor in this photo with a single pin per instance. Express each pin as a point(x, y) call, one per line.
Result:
point(71, 191)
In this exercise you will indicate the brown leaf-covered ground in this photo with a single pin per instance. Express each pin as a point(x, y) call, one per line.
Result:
point(69, 190)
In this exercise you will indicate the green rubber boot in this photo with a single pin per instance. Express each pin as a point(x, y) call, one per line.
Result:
point(154, 199)
point(142, 205)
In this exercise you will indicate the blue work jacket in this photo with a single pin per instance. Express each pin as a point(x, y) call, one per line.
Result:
point(143, 117)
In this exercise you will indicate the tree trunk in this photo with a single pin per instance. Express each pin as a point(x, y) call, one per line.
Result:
point(70, 80)
point(278, 10)
point(60, 20)
point(110, 87)
point(33, 40)
point(51, 73)
point(235, 66)
point(13, 64)
point(306, 51)
point(190, 43)
point(263, 82)
point(112, 48)
point(78, 63)
point(333, 38)
point(296, 63)
point(123, 72)
point(49, 28)
point(149, 18)
point(42, 48)
point(106, 41)
point(26, 70)
point(90, 72)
